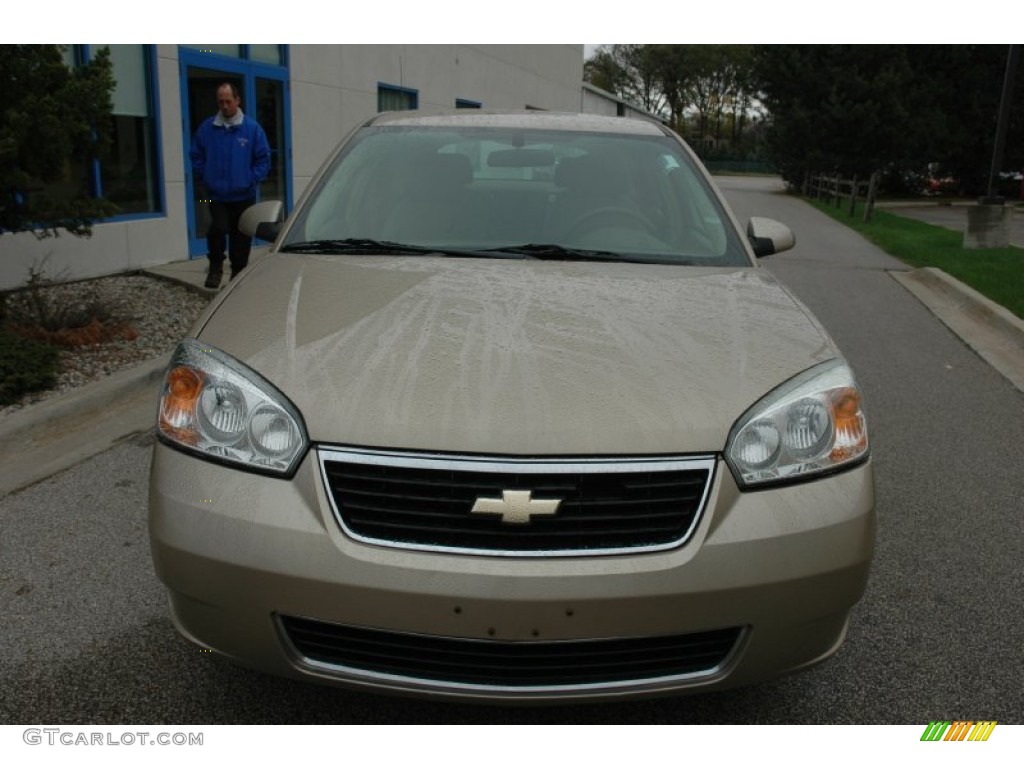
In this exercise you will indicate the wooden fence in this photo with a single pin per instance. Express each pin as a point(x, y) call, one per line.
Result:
point(838, 191)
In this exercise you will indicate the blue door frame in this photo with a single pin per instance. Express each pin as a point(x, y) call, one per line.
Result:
point(195, 67)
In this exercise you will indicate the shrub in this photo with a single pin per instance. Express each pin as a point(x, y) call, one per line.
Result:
point(25, 366)
point(41, 312)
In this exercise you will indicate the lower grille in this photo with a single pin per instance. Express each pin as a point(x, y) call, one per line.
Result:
point(608, 506)
point(493, 664)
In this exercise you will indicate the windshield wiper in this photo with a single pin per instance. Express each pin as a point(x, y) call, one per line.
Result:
point(556, 252)
point(368, 245)
point(352, 245)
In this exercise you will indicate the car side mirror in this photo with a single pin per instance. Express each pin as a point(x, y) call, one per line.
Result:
point(768, 236)
point(262, 220)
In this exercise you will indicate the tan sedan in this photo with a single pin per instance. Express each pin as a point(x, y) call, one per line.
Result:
point(511, 413)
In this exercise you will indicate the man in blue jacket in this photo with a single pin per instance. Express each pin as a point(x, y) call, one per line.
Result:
point(230, 157)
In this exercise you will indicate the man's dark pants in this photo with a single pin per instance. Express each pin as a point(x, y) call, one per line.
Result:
point(223, 235)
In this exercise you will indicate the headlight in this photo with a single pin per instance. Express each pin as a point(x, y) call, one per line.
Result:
point(213, 405)
point(814, 423)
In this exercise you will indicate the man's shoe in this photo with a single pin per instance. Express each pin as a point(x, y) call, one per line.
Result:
point(213, 278)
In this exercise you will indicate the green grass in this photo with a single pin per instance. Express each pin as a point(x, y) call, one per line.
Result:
point(997, 273)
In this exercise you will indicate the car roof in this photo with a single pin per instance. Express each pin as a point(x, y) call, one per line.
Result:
point(532, 119)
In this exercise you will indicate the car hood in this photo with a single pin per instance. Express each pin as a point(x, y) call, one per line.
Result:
point(516, 357)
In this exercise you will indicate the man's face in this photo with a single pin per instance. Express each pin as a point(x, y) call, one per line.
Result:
point(227, 102)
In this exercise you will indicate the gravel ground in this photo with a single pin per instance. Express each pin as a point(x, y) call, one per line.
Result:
point(160, 312)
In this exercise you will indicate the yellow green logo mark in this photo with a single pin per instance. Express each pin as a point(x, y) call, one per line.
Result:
point(958, 730)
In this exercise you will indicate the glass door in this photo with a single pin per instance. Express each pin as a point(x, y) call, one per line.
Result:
point(264, 97)
point(201, 100)
point(270, 115)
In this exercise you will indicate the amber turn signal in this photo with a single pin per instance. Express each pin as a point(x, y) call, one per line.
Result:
point(182, 386)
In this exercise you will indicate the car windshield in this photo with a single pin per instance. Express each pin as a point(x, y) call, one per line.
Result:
point(514, 191)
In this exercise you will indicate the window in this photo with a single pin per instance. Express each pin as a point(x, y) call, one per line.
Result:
point(392, 98)
point(128, 175)
point(467, 104)
point(234, 51)
point(268, 54)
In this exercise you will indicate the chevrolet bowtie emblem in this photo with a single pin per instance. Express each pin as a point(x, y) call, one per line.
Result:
point(516, 507)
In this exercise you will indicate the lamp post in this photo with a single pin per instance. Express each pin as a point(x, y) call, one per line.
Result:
point(988, 223)
point(991, 198)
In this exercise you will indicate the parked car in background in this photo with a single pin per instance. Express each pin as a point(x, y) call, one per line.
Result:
point(938, 181)
point(511, 412)
point(1011, 185)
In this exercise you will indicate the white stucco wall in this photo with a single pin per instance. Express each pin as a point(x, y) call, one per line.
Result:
point(595, 101)
point(333, 89)
point(596, 104)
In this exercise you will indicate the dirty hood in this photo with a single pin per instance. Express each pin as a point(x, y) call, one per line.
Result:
point(516, 357)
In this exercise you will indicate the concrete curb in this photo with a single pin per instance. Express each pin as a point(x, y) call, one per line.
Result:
point(991, 330)
point(55, 434)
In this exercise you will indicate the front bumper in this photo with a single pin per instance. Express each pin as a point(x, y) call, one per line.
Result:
point(245, 556)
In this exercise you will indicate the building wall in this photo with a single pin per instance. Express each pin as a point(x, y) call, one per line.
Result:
point(333, 89)
point(598, 104)
point(595, 101)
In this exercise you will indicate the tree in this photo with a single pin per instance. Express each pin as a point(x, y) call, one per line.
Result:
point(671, 65)
point(711, 81)
point(631, 72)
point(714, 82)
point(856, 109)
point(842, 108)
point(964, 85)
point(603, 71)
point(54, 118)
point(644, 84)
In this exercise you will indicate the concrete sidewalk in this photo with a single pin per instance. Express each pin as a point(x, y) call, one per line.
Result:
point(55, 434)
point(191, 273)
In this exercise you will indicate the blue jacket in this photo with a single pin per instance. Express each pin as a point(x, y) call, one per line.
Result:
point(230, 160)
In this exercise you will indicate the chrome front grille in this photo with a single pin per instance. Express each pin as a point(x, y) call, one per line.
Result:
point(605, 506)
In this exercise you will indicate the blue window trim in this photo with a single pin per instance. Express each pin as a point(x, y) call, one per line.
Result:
point(213, 59)
point(82, 55)
point(414, 92)
point(468, 104)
